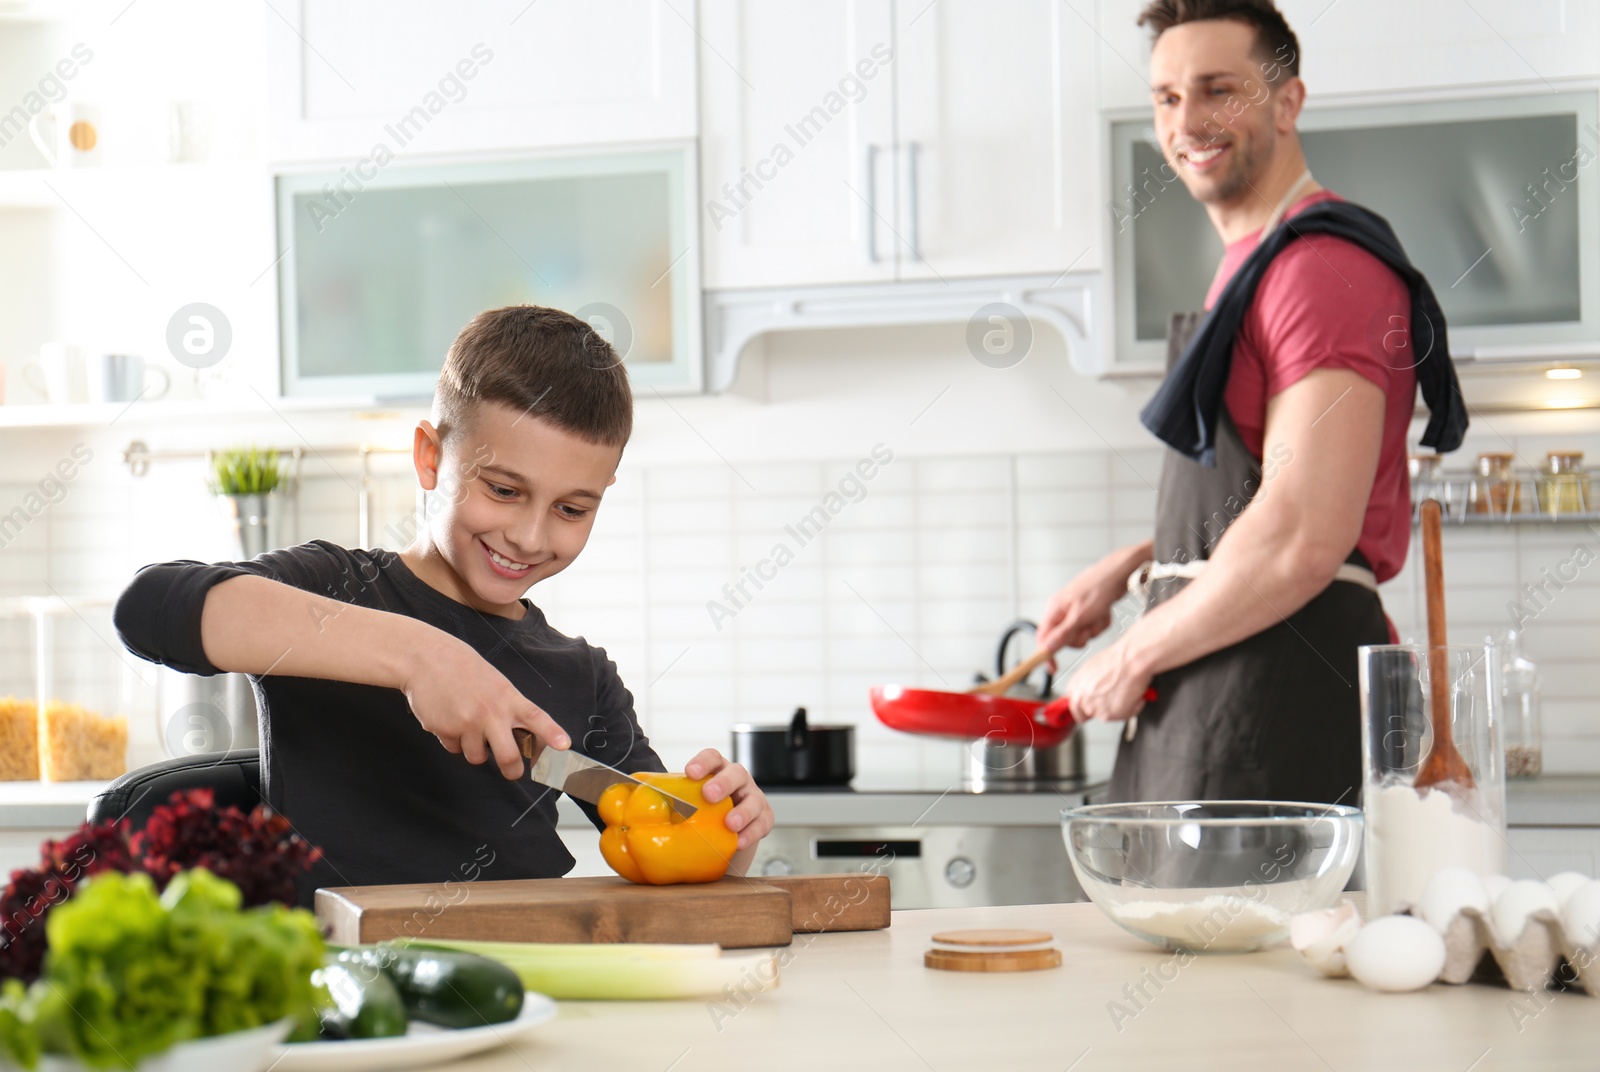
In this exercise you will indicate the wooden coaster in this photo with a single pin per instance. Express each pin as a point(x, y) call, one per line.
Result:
point(993, 936)
point(1030, 960)
point(994, 950)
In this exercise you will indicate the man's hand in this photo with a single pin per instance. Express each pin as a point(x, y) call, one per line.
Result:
point(1081, 611)
point(470, 706)
point(1108, 687)
point(751, 816)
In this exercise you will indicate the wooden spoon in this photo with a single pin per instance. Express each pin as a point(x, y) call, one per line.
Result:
point(1002, 684)
point(1444, 763)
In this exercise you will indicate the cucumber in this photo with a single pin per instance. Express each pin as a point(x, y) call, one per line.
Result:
point(356, 1002)
point(440, 986)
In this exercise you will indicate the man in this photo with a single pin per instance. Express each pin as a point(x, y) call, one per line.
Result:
point(1284, 497)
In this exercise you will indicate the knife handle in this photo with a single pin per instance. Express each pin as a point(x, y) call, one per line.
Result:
point(525, 741)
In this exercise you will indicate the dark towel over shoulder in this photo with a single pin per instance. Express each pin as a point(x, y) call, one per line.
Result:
point(1183, 412)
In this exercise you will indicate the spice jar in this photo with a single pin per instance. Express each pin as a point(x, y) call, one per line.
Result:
point(1564, 486)
point(1519, 692)
point(1494, 490)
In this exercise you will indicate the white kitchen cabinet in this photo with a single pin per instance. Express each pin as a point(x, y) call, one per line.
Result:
point(964, 142)
point(1542, 851)
point(1418, 45)
point(797, 142)
point(418, 77)
point(999, 165)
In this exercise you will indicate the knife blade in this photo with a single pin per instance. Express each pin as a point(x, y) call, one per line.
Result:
point(583, 778)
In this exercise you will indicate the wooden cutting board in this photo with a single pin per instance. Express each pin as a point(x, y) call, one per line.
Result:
point(736, 913)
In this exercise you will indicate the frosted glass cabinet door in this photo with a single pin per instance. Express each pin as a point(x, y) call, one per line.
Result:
point(376, 283)
point(796, 142)
point(422, 76)
point(999, 138)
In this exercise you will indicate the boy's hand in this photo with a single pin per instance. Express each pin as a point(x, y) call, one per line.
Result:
point(471, 707)
point(751, 816)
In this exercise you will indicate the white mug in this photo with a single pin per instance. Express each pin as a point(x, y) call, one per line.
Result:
point(75, 134)
point(58, 374)
point(122, 378)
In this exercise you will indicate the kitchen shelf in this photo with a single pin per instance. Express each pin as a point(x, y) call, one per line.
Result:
point(1456, 506)
point(163, 411)
point(54, 188)
point(1587, 517)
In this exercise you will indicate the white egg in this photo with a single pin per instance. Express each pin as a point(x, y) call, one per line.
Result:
point(1565, 882)
point(1447, 893)
point(1395, 953)
point(1496, 885)
point(1580, 916)
point(1321, 936)
point(1519, 901)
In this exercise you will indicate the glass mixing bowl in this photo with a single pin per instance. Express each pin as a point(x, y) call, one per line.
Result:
point(1211, 876)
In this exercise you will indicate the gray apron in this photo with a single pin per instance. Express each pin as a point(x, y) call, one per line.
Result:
point(1273, 717)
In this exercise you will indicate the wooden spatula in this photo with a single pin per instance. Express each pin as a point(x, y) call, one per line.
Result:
point(1444, 763)
point(1002, 684)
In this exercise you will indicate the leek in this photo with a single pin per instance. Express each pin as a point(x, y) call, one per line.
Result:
point(627, 971)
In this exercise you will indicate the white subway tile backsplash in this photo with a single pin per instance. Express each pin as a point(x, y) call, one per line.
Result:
point(962, 474)
point(1076, 507)
point(964, 507)
point(881, 510)
point(881, 548)
point(785, 478)
point(911, 584)
point(991, 543)
point(1056, 472)
point(711, 480)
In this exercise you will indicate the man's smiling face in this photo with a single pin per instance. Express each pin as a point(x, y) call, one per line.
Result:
point(1217, 123)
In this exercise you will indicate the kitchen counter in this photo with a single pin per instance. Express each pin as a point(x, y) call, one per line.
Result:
point(865, 1001)
point(1554, 800)
point(39, 805)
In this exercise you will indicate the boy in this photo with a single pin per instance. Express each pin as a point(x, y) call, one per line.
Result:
point(387, 681)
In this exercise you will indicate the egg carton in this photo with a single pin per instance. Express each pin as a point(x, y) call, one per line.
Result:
point(1542, 952)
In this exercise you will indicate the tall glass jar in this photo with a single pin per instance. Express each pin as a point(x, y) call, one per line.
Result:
point(1563, 486)
point(1494, 488)
point(1426, 480)
point(1524, 736)
point(1411, 833)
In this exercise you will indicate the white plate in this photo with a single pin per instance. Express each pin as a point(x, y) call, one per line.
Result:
point(242, 1051)
point(424, 1044)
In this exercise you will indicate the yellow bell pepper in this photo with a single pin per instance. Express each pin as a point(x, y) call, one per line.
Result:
point(647, 842)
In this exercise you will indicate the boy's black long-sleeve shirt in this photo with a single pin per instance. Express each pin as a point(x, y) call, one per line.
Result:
point(350, 766)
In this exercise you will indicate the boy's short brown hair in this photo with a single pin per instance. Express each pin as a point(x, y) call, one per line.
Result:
point(1275, 41)
point(542, 362)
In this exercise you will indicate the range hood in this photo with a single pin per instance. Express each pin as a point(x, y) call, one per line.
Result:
point(999, 313)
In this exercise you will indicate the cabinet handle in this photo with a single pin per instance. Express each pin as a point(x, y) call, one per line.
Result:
point(913, 151)
point(872, 204)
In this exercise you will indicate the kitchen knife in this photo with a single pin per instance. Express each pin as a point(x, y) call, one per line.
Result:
point(583, 778)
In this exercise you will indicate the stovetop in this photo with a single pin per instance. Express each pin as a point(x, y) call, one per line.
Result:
point(911, 802)
point(865, 784)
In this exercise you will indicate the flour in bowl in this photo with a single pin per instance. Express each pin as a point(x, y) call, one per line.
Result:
point(1216, 921)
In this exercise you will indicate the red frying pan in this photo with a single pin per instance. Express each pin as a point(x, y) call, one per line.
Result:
point(973, 716)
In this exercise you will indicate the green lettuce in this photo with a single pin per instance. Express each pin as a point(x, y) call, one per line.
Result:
point(129, 974)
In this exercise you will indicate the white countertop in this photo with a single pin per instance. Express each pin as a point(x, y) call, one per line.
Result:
point(1553, 800)
point(864, 1001)
point(45, 805)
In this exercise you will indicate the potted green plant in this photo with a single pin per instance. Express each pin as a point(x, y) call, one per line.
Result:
point(244, 480)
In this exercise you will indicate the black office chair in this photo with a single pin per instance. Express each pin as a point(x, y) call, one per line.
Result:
point(234, 776)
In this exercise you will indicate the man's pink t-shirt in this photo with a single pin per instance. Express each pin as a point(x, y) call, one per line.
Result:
point(1325, 302)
